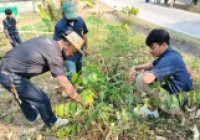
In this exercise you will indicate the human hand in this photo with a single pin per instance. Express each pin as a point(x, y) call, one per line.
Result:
point(131, 74)
point(86, 53)
point(78, 99)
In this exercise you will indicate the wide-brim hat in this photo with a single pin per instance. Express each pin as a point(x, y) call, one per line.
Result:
point(76, 40)
point(69, 10)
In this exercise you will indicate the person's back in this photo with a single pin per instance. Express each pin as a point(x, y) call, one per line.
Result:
point(34, 57)
point(171, 67)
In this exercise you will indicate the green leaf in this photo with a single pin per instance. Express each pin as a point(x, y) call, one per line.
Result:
point(175, 101)
point(94, 76)
point(168, 101)
point(79, 127)
point(87, 97)
point(87, 125)
point(124, 115)
point(191, 99)
point(181, 98)
point(79, 81)
point(60, 110)
point(79, 109)
point(130, 10)
point(74, 129)
point(68, 129)
point(155, 101)
point(197, 97)
point(67, 109)
point(85, 81)
point(74, 77)
point(92, 116)
point(73, 108)
point(89, 2)
point(43, 13)
point(146, 102)
point(60, 133)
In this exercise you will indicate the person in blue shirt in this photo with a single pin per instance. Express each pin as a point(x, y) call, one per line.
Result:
point(169, 69)
point(10, 29)
point(69, 22)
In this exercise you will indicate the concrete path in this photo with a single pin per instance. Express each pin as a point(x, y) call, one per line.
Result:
point(175, 19)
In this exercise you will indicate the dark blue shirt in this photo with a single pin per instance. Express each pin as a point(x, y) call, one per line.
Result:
point(171, 68)
point(64, 27)
point(10, 26)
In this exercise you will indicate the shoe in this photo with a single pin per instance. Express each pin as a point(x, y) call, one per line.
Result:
point(147, 112)
point(61, 122)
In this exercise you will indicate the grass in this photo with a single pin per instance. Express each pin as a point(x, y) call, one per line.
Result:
point(187, 7)
point(145, 27)
point(191, 44)
point(112, 51)
point(28, 19)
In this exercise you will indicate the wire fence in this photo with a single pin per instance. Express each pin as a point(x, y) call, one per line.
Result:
point(25, 35)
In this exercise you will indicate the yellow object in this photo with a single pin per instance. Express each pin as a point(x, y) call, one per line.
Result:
point(75, 40)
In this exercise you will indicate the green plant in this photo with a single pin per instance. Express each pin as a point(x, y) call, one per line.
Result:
point(90, 3)
point(130, 11)
point(45, 17)
point(108, 100)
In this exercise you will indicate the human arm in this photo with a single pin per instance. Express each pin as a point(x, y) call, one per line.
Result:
point(85, 38)
point(133, 70)
point(68, 88)
point(6, 31)
point(85, 44)
point(8, 36)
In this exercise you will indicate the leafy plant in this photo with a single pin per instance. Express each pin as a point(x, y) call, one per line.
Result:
point(90, 3)
point(130, 11)
point(108, 100)
point(45, 17)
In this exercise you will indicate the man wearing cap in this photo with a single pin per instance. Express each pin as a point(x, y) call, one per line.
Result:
point(71, 22)
point(33, 58)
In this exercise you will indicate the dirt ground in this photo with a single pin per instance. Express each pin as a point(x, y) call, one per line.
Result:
point(13, 125)
point(189, 7)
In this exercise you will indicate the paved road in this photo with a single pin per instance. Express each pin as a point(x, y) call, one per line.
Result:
point(178, 20)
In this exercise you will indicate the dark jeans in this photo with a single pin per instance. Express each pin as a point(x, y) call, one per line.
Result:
point(73, 66)
point(33, 99)
point(16, 40)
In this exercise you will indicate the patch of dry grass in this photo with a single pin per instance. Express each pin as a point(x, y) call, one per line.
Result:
point(29, 18)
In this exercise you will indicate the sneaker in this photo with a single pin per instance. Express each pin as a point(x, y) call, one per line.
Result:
point(147, 112)
point(61, 122)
